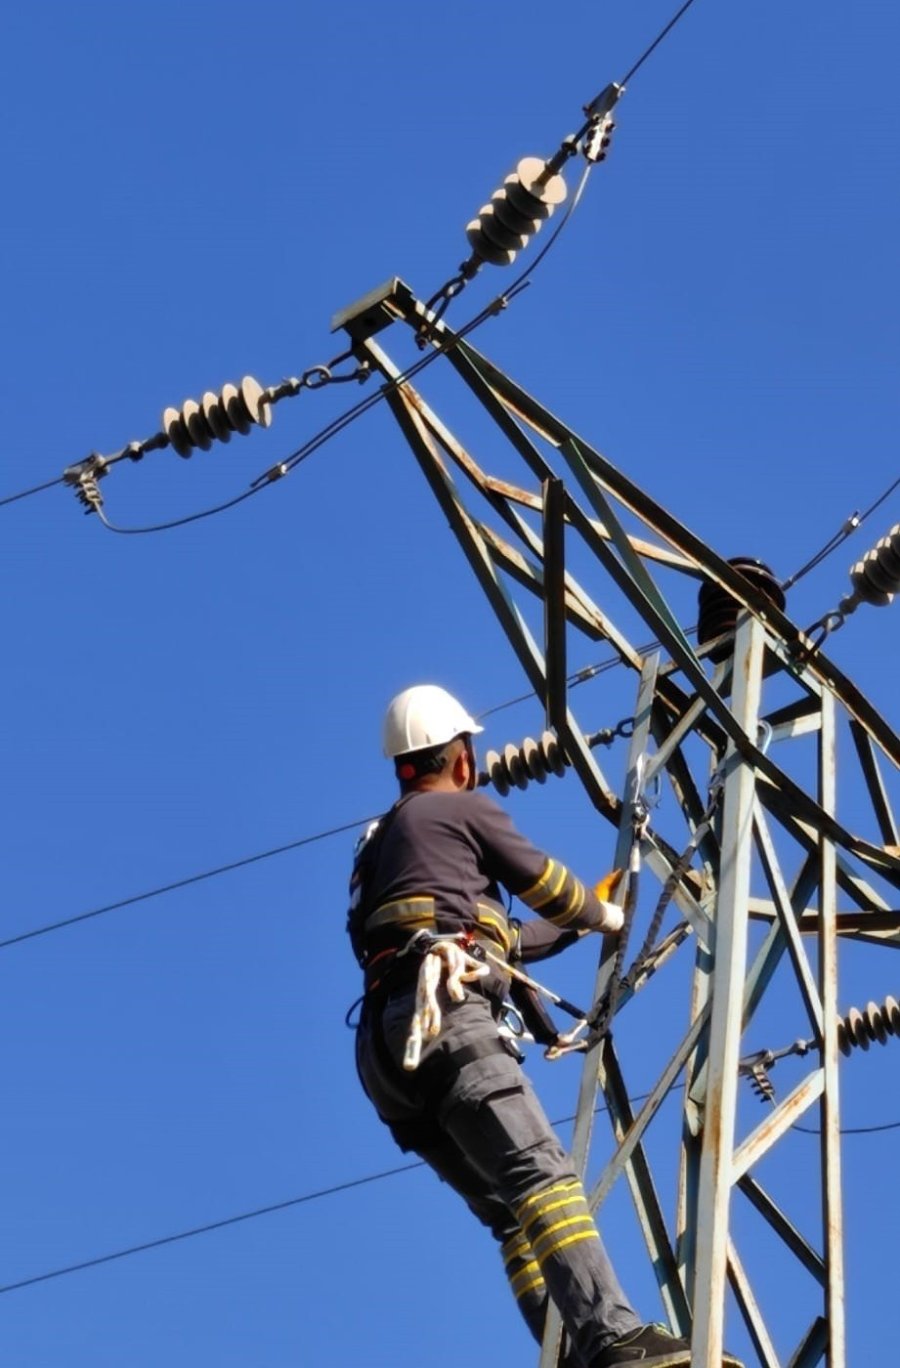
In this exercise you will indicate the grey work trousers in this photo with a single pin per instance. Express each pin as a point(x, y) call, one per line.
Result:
point(480, 1126)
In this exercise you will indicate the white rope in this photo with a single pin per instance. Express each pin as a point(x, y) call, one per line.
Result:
point(449, 959)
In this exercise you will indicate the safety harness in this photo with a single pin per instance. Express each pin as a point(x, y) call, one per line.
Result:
point(424, 957)
point(416, 953)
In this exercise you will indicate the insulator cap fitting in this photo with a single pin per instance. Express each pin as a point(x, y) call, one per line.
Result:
point(515, 212)
point(718, 611)
point(876, 578)
point(518, 766)
point(234, 409)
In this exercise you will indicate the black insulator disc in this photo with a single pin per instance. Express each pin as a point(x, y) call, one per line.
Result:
point(497, 232)
point(856, 1028)
point(534, 760)
point(875, 1022)
point(878, 572)
point(718, 611)
point(497, 772)
point(515, 766)
point(234, 410)
point(511, 216)
point(866, 583)
point(881, 565)
point(553, 753)
point(484, 248)
point(177, 433)
point(525, 204)
point(197, 427)
point(213, 412)
point(258, 408)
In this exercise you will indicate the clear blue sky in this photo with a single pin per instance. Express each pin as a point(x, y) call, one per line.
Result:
point(191, 192)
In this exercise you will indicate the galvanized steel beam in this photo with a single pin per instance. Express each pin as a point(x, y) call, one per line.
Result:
point(685, 710)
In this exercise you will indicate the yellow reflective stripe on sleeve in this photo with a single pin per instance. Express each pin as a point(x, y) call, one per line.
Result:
point(534, 889)
point(573, 905)
point(553, 883)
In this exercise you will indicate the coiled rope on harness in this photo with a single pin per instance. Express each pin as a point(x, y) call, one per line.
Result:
point(444, 959)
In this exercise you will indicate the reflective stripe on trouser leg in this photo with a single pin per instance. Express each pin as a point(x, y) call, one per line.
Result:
point(529, 1289)
point(526, 1281)
point(557, 1224)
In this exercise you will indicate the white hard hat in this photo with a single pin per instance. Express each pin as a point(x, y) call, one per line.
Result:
point(424, 716)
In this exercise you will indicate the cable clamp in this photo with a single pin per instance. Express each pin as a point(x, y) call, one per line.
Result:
point(605, 101)
point(597, 139)
point(84, 478)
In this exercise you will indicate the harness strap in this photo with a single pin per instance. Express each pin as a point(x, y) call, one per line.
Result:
point(397, 966)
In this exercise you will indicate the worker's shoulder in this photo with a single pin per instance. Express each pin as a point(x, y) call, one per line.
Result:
point(463, 806)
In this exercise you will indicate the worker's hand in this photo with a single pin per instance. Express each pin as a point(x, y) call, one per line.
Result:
point(608, 885)
point(613, 918)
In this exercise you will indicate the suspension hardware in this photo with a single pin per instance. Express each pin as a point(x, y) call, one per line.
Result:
point(875, 579)
point(855, 1030)
point(198, 424)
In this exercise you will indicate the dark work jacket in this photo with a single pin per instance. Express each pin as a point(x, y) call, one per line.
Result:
point(439, 860)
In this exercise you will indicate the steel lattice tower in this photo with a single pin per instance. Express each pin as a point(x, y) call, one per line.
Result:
point(744, 730)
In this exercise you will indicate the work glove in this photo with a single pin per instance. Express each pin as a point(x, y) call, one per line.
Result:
point(613, 916)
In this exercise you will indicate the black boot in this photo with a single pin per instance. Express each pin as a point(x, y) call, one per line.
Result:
point(654, 1347)
point(650, 1345)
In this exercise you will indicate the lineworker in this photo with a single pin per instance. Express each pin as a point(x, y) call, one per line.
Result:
point(433, 867)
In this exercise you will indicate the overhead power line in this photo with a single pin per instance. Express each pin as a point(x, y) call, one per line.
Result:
point(245, 1216)
point(579, 677)
point(205, 1229)
point(274, 474)
point(27, 493)
point(182, 883)
point(655, 44)
point(847, 529)
point(852, 1130)
point(357, 410)
point(336, 1188)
